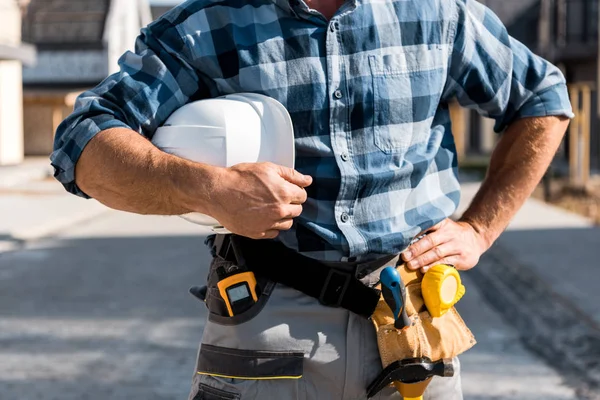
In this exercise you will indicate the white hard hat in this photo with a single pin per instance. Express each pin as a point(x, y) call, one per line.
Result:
point(228, 130)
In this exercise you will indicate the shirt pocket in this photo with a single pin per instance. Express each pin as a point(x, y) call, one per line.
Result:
point(407, 85)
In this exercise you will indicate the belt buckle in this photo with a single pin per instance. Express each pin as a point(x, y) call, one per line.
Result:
point(335, 285)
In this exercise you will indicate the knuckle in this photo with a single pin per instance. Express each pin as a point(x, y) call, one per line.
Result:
point(281, 212)
point(286, 195)
point(415, 248)
point(417, 262)
point(438, 252)
point(430, 240)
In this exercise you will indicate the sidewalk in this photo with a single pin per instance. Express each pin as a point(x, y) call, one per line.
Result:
point(542, 276)
point(34, 205)
point(32, 168)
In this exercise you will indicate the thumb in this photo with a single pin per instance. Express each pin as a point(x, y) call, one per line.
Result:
point(295, 177)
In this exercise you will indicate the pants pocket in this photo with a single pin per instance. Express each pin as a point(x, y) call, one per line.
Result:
point(248, 374)
point(203, 391)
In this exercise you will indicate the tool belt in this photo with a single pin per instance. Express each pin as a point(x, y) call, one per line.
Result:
point(272, 260)
point(417, 351)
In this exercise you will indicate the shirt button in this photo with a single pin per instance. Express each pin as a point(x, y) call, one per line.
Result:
point(332, 26)
point(338, 94)
point(345, 217)
point(345, 156)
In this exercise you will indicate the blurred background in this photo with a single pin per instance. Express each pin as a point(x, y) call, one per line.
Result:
point(94, 302)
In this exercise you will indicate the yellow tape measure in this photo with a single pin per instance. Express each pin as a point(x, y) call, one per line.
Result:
point(442, 288)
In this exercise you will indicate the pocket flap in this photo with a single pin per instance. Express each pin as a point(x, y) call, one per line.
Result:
point(249, 364)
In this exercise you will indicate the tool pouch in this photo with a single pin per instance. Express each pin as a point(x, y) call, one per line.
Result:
point(434, 338)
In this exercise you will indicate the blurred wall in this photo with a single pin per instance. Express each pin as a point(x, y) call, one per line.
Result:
point(11, 119)
point(69, 65)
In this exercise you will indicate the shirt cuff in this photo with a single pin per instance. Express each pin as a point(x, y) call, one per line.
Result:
point(552, 101)
point(64, 158)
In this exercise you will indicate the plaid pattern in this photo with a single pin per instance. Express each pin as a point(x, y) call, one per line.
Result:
point(368, 93)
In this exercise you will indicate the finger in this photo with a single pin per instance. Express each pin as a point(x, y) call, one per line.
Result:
point(451, 260)
point(270, 234)
point(433, 256)
point(424, 245)
point(295, 177)
point(290, 211)
point(432, 229)
point(297, 195)
point(283, 225)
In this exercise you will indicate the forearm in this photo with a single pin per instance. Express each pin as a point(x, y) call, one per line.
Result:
point(518, 163)
point(123, 170)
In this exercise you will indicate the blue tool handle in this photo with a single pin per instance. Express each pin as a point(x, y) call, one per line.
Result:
point(394, 294)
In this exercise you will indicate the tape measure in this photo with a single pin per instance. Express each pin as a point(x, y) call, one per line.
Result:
point(237, 289)
point(442, 288)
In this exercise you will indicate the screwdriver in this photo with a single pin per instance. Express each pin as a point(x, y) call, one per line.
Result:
point(394, 294)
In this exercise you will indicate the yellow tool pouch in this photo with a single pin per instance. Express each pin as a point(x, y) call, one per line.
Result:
point(434, 338)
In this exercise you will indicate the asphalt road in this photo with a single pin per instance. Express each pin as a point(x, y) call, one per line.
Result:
point(102, 312)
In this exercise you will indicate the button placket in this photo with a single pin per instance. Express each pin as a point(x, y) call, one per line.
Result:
point(338, 112)
point(345, 217)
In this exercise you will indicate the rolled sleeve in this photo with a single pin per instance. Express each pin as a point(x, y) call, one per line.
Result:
point(498, 76)
point(152, 82)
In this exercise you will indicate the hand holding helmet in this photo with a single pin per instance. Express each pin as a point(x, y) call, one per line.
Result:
point(256, 192)
point(257, 200)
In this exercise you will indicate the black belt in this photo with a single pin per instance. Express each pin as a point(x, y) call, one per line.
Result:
point(332, 287)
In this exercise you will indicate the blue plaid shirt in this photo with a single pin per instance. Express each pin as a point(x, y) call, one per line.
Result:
point(368, 92)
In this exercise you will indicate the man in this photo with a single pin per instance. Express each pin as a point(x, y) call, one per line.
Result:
point(367, 83)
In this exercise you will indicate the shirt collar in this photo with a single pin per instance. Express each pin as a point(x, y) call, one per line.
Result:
point(295, 6)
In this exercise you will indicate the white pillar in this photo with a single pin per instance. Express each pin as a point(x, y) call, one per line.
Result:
point(11, 113)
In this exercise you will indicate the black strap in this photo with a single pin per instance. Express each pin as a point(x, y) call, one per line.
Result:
point(332, 287)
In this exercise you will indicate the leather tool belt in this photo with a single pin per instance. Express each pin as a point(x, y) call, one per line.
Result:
point(434, 338)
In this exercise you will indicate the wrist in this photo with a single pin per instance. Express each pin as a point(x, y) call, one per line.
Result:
point(193, 184)
point(485, 235)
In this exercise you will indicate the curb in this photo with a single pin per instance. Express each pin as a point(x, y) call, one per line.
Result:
point(19, 238)
point(550, 325)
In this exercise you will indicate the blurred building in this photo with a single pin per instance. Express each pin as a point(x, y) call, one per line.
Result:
point(79, 43)
point(13, 53)
point(568, 36)
point(566, 33)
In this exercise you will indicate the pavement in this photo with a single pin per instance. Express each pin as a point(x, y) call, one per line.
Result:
point(33, 205)
point(542, 277)
point(94, 302)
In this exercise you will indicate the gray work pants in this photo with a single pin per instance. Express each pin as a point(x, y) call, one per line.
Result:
point(293, 348)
